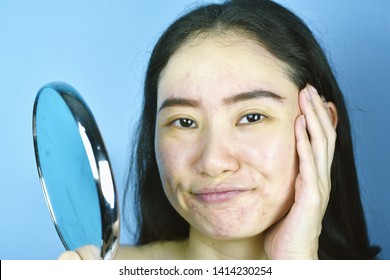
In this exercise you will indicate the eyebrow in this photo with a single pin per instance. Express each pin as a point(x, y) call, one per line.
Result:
point(244, 96)
point(181, 102)
point(256, 94)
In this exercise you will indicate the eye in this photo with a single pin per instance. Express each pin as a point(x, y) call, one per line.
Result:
point(184, 123)
point(251, 118)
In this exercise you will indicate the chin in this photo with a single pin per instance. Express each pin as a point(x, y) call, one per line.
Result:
point(230, 232)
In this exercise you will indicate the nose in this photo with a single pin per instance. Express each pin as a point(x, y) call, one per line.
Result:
point(217, 155)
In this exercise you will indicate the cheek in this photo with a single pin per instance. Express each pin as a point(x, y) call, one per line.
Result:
point(275, 159)
point(283, 166)
point(274, 153)
point(172, 161)
point(165, 163)
point(163, 158)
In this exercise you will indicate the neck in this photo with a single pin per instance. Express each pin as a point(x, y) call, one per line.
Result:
point(201, 247)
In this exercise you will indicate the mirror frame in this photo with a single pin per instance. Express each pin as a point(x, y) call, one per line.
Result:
point(98, 161)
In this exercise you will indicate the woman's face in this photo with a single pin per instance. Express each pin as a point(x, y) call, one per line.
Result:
point(225, 143)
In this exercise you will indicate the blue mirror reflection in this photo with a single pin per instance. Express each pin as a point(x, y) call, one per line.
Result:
point(69, 185)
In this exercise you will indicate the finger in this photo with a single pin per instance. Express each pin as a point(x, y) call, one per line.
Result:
point(69, 255)
point(89, 252)
point(307, 166)
point(325, 119)
point(313, 192)
point(318, 139)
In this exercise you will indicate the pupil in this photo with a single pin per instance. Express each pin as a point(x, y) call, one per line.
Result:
point(185, 123)
point(253, 117)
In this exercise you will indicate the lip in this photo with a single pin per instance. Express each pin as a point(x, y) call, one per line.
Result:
point(218, 194)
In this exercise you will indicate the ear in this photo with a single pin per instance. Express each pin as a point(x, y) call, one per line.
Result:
point(332, 111)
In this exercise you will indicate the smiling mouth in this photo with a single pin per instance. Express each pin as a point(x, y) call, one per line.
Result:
point(218, 197)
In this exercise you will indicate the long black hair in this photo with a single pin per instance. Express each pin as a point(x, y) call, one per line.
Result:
point(282, 33)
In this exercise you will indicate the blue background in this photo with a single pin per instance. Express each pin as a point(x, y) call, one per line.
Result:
point(102, 48)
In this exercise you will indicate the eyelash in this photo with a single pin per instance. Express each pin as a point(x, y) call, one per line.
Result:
point(186, 123)
point(182, 122)
point(258, 118)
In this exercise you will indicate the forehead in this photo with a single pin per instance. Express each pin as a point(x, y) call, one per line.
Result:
point(221, 66)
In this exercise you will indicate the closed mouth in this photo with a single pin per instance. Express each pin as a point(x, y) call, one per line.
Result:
point(218, 196)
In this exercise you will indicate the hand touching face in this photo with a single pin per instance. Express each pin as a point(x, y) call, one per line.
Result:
point(296, 235)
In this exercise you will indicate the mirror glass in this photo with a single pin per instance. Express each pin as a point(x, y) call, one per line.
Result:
point(74, 170)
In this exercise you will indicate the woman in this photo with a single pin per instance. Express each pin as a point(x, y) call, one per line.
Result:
point(237, 155)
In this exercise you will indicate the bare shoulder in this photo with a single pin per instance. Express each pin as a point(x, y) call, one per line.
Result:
point(160, 250)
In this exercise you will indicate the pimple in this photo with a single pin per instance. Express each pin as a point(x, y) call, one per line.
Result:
point(243, 210)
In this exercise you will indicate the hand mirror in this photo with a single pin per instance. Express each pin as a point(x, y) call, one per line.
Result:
point(74, 170)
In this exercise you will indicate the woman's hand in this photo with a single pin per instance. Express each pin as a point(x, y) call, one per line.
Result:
point(296, 235)
point(88, 252)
